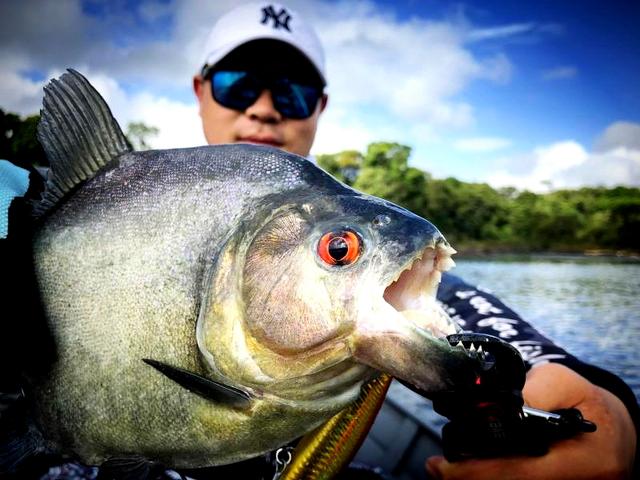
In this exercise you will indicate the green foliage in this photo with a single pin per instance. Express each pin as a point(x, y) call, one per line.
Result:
point(479, 215)
point(138, 135)
point(385, 173)
point(343, 165)
point(18, 142)
point(468, 211)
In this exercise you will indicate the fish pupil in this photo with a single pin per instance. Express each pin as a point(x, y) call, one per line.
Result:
point(338, 248)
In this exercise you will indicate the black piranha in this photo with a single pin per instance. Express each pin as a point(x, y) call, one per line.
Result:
point(210, 304)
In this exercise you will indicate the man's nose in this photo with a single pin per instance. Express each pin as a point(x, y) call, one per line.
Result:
point(263, 109)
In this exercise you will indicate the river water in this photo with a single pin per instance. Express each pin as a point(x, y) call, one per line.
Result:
point(589, 306)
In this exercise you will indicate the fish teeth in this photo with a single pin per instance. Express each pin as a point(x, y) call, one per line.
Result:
point(481, 352)
point(460, 344)
point(472, 348)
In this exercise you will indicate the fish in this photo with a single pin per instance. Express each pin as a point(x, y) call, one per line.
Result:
point(207, 305)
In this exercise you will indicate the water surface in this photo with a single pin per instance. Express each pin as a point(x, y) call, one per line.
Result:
point(590, 307)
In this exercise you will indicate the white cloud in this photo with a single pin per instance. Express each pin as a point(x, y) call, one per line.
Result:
point(18, 94)
point(481, 144)
point(413, 70)
point(560, 73)
point(568, 164)
point(520, 32)
point(178, 123)
point(491, 33)
point(619, 134)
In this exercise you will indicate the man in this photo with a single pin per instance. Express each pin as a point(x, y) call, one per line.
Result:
point(252, 40)
point(262, 82)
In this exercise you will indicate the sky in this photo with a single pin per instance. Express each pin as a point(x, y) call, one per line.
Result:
point(535, 94)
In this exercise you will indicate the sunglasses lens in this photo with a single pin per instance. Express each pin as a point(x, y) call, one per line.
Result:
point(236, 90)
point(239, 90)
point(294, 100)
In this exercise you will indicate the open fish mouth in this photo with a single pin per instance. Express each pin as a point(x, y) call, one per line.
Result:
point(412, 293)
point(406, 334)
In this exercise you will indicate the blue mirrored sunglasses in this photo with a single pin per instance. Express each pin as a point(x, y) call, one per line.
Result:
point(240, 89)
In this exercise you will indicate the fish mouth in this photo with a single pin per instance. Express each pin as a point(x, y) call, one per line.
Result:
point(406, 334)
point(412, 292)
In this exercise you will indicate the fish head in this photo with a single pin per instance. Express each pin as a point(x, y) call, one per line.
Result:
point(315, 292)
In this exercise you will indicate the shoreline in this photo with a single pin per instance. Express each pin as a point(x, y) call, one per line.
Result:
point(587, 255)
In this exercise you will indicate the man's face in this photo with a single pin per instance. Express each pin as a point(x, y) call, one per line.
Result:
point(260, 122)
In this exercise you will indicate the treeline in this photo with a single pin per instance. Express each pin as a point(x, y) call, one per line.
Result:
point(475, 216)
point(471, 215)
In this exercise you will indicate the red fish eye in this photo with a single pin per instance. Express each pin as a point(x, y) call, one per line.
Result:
point(340, 248)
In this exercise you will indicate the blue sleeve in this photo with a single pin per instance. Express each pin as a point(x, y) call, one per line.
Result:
point(14, 182)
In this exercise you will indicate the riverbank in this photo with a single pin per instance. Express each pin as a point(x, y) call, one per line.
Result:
point(508, 253)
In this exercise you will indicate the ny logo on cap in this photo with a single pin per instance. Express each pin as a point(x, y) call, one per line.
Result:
point(280, 19)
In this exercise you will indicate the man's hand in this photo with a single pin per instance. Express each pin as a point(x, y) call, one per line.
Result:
point(606, 453)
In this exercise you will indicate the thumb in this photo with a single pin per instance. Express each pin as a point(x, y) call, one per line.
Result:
point(434, 467)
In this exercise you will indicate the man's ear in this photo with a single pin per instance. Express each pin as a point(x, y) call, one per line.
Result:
point(198, 87)
point(323, 102)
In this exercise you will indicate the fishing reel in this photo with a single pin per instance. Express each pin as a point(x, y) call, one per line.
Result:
point(487, 418)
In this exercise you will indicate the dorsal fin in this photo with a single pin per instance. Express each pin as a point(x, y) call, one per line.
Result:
point(78, 134)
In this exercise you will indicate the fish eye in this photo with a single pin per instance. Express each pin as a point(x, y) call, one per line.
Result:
point(340, 247)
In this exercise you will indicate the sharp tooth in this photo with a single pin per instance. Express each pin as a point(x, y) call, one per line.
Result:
point(472, 348)
point(480, 349)
point(460, 344)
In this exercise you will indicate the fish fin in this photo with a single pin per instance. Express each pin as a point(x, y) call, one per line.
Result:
point(202, 386)
point(130, 468)
point(78, 134)
point(20, 440)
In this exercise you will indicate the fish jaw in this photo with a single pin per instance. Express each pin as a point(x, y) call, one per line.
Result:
point(404, 333)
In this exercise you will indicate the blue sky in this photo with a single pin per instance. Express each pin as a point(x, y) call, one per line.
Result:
point(534, 94)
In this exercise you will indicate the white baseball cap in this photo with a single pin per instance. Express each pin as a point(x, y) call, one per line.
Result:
point(264, 20)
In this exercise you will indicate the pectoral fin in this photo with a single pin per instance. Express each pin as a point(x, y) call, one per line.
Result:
point(209, 389)
point(130, 468)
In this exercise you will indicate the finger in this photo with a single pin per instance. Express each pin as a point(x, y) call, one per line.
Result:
point(488, 469)
point(550, 466)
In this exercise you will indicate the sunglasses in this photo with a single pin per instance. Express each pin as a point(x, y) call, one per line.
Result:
point(239, 90)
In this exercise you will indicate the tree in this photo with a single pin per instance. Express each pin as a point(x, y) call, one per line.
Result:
point(138, 134)
point(345, 165)
point(385, 173)
point(18, 141)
